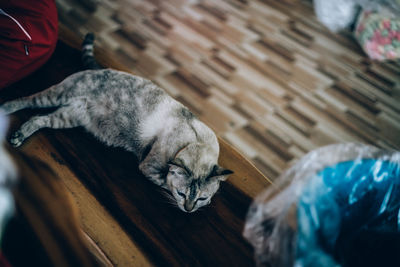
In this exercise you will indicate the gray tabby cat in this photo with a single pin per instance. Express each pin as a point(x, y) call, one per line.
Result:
point(176, 150)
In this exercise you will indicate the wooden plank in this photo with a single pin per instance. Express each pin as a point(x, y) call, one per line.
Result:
point(97, 223)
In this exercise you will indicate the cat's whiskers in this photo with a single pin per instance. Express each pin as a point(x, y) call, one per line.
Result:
point(169, 198)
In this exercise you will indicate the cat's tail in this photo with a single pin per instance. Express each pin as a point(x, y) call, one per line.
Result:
point(88, 60)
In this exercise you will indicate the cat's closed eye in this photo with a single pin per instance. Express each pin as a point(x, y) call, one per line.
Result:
point(202, 198)
point(181, 194)
point(178, 172)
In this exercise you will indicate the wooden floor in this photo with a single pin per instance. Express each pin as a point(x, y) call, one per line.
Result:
point(265, 75)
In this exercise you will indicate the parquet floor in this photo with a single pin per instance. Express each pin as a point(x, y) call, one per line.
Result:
point(265, 75)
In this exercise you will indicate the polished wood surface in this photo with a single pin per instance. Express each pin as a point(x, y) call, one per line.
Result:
point(45, 230)
point(125, 217)
point(264, 74)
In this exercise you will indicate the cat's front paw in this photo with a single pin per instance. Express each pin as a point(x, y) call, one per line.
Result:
point(6, 108)
point(16, 139)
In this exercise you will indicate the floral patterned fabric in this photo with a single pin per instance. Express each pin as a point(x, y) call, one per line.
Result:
point(379, 35)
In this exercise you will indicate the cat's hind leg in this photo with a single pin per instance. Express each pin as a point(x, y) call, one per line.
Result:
point(51, 97)
point(64, 117)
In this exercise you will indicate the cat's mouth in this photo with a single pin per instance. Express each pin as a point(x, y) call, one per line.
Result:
point(172, 200)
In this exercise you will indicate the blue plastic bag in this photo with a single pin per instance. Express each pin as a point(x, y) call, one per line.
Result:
point(338, 206)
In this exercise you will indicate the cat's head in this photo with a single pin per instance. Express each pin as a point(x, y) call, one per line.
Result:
point(194, 176)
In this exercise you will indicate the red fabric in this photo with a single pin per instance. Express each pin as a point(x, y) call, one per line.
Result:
point(39, 19)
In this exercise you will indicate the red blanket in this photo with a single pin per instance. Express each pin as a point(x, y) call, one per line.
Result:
point(28, 35)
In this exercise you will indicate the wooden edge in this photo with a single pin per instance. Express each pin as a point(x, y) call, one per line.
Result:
point(246, 178)
point(108, 241)
point(96, 251)
point(40, 196)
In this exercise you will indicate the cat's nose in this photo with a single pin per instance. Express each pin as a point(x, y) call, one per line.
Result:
point(188, 206)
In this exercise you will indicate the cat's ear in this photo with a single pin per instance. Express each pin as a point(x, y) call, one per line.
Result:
point(175, 167)
point(220, 173)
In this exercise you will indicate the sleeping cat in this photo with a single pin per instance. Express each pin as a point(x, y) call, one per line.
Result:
point(175, 150)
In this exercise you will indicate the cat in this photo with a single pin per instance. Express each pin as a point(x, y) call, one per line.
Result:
point(175, 149)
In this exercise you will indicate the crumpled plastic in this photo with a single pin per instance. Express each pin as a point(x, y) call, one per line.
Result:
point(336, 15)
point(340, 14)
point(337, 206)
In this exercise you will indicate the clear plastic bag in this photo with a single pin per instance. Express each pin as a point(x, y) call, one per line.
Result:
point(340, 14)
point(8, 178)
point(336, 15)
point(338, 206)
